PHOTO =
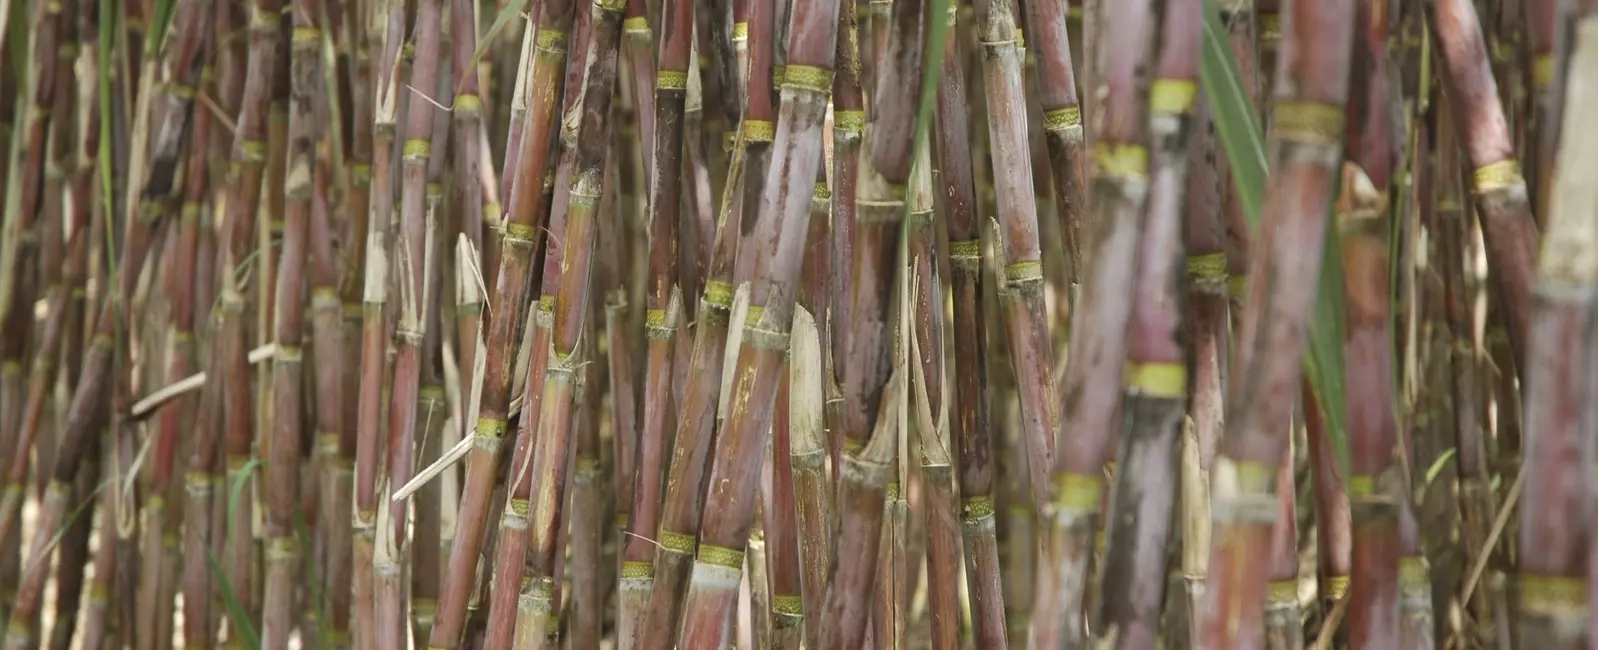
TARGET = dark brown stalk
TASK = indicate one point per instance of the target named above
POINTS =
(1139, 529)
(17, 321)
(663, 302)
(468, 167)
(1303, 148)
(426, 558)
(283, 551)
(1062, 120)
(518, 251)
(1498, 190)
(1476, 498)
(1118, 180)
(334, 429)
(779, 525)
(371, 390)
(1375, 486)
(412, 261)
(228, 358)
(970, 428)
(686, 471)
(202, 481)
(73, 556)
(1542, 108)
(1025, 319)
(1553, 579)
(848, 131)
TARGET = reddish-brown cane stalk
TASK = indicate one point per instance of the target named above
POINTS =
(1304, 146)
(1498, 190)
(1553, 579)
(1025, 320)
(772, 251)
(1118, 184)
(1062, 120)
(663, 302)
(508, 605)
(870, 417)
(553, 447)
(970, 428)
(1375, 483)
(1206, 320)
(180, 289)
(1333, 520)
(517, 254)
(374, 316)
(283, 443)
(1139, 523)
(468, 167)
(930, 408)
(169, 115)
(685, 474)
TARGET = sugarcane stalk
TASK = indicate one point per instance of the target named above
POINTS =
(1303, 149)
(426, 571)
(553, 448)
(17, 321)
(1155, 377)
(588, 513)
(769, 269)
(160, 523)
(1497, 187)
(1333, 520)
(1118, 186)
(468, 167)
(869, 415)
(1375, 487)
(283, 551)
(518, 251)
(686, 470)
(1284, 623)
(169, 112)
(510, 581)
(1553, 580)
(889, 142)
(1062, 121)
(663, 302)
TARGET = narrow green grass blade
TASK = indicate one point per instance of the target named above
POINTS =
(237, 617)
(1235, 122)
(1244, 144)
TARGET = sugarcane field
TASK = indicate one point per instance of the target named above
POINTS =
(781, 324)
